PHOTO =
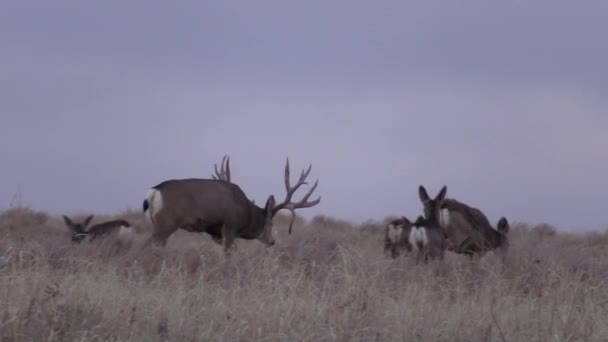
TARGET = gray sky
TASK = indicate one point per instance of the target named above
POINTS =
(505, 103)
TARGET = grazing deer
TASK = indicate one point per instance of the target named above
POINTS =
(121, 228)
(428, 239)
(467, 229)
(219, 208)
(396, 235)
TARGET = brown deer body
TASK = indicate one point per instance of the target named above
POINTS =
(120, 227)
(396, 237)
(467, 229)
(219, 208)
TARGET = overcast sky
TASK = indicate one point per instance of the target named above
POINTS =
(505, 103)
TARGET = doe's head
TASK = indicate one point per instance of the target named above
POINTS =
(432, 207)
(79, 230)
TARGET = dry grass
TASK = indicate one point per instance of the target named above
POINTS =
(328, 281)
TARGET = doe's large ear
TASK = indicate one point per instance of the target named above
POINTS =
(270, 204)
(441, 194)
(503, 225)
(424, 196)
(67, 221)
(88, 220)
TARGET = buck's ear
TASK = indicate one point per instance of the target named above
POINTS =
(441, 194)
(67, 220)
(88, 220)
(503, 225)
(424, 196)
(270, 204)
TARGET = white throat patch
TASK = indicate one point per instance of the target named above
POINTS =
(418, 238)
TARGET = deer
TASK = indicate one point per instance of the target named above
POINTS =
(467, 229)
(219, 208)
(428, 239)
(396, 235)
(121, 228)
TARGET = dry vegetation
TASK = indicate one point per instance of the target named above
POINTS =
(329, 281)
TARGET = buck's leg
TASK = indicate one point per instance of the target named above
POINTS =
(229, 236)
(159, 238)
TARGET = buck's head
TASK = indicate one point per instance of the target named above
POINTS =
(503, 226)
(432, 207)
(79, 230)
(267, 235)
(263, 221)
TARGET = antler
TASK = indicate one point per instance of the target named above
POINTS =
(303, 203)
(224, 172)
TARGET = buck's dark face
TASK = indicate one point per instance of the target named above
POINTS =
(432, 207)
(503, 226)
(267, 235)
(79, 231)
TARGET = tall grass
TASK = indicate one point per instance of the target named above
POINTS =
(328, 281)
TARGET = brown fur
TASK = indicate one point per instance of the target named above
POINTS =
(470, 231)
(219, 208)
(215, 207)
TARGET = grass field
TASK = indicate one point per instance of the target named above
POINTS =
(328, 281)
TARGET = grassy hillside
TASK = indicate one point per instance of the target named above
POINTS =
(328, 281)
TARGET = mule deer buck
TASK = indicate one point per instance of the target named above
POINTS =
(219, 208)
(396, 236)
(467, 229)
(121, 228)
(428, 239)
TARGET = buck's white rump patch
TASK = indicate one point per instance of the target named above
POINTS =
(395, 232)
(444, 217)
(418, 237)
(155, 203)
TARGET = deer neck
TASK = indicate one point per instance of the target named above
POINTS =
(256, 225)
(433, 221)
